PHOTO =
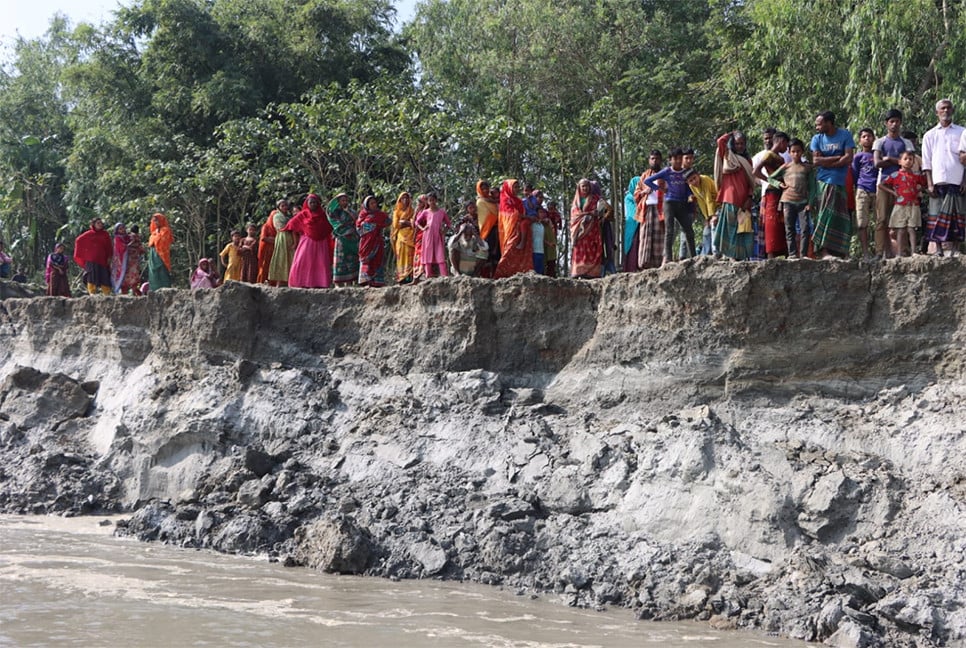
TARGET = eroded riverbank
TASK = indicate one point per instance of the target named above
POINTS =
(773, 446)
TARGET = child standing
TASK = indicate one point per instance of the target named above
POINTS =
(905, 185)
(550, 228)
(794, 181)
(864, 174)
(231, 257)
(537, 234)
(705, 197)
(249, 253)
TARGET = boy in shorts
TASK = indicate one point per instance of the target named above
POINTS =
(906, 186)
(864, 174)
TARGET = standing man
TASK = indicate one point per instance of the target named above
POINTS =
(770, 219)
(941, 162)
(767, 138)
(886, 151)
(832, 149)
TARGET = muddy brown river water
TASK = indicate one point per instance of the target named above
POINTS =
(69, 582)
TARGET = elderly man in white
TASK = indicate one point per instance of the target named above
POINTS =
(942, 163)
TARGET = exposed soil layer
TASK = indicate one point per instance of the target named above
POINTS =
(775, 445)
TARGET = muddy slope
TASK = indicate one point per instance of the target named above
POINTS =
(774, 445)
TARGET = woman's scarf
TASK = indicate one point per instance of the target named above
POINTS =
(579, 224)
(122, 243)
(56, 262)
(487, 213)
(630, 210)
(369, 224)
(311, 222)
(510, 203)
(161, 239)
(399, 234)
(93, 246)
(343, 221)
(731, 162)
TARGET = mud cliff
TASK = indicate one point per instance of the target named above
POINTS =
(773, 445)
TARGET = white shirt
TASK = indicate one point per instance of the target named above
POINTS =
(754, 162)
(940, 154)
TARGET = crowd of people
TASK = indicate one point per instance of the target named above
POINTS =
(814, 198)
(112, 261)
(790, 200)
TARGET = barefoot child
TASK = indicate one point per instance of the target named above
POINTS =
(231, 257)
(905, 186)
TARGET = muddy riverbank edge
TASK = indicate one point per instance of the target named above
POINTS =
(768, 445)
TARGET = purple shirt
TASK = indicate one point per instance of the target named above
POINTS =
(864, 172)
(677, 187)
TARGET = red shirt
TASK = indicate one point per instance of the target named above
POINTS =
(906, 185)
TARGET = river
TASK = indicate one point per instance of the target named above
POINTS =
(68, 581)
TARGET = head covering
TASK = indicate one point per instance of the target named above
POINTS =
(310, 222)
(161, 238)
(399, 209)
(509, 201)
(630, 209)
(479, 189)
(94, 246)
(117, 226)
(577, 208)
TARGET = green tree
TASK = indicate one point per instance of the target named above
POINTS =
(34, 140)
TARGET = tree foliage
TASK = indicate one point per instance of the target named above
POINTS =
(210, 110)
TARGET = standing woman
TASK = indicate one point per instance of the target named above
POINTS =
(488, 218)
(403, 237)
(159, 253)
(266, 244)
(607, 236)
(516, 254)
(119, 261)
(372, 245)
(431, 222)
(343, 221)
(312, 263)
(55, 273)
(284, 248)
(418, 268)
(733, 175)
(135, 253)
(585, 230)
(93, 251)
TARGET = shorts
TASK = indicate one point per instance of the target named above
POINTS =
(905, 216)
(864, 204)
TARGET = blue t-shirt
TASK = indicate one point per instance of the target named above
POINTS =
(864, 172)
(832, 146)
(677, 187)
